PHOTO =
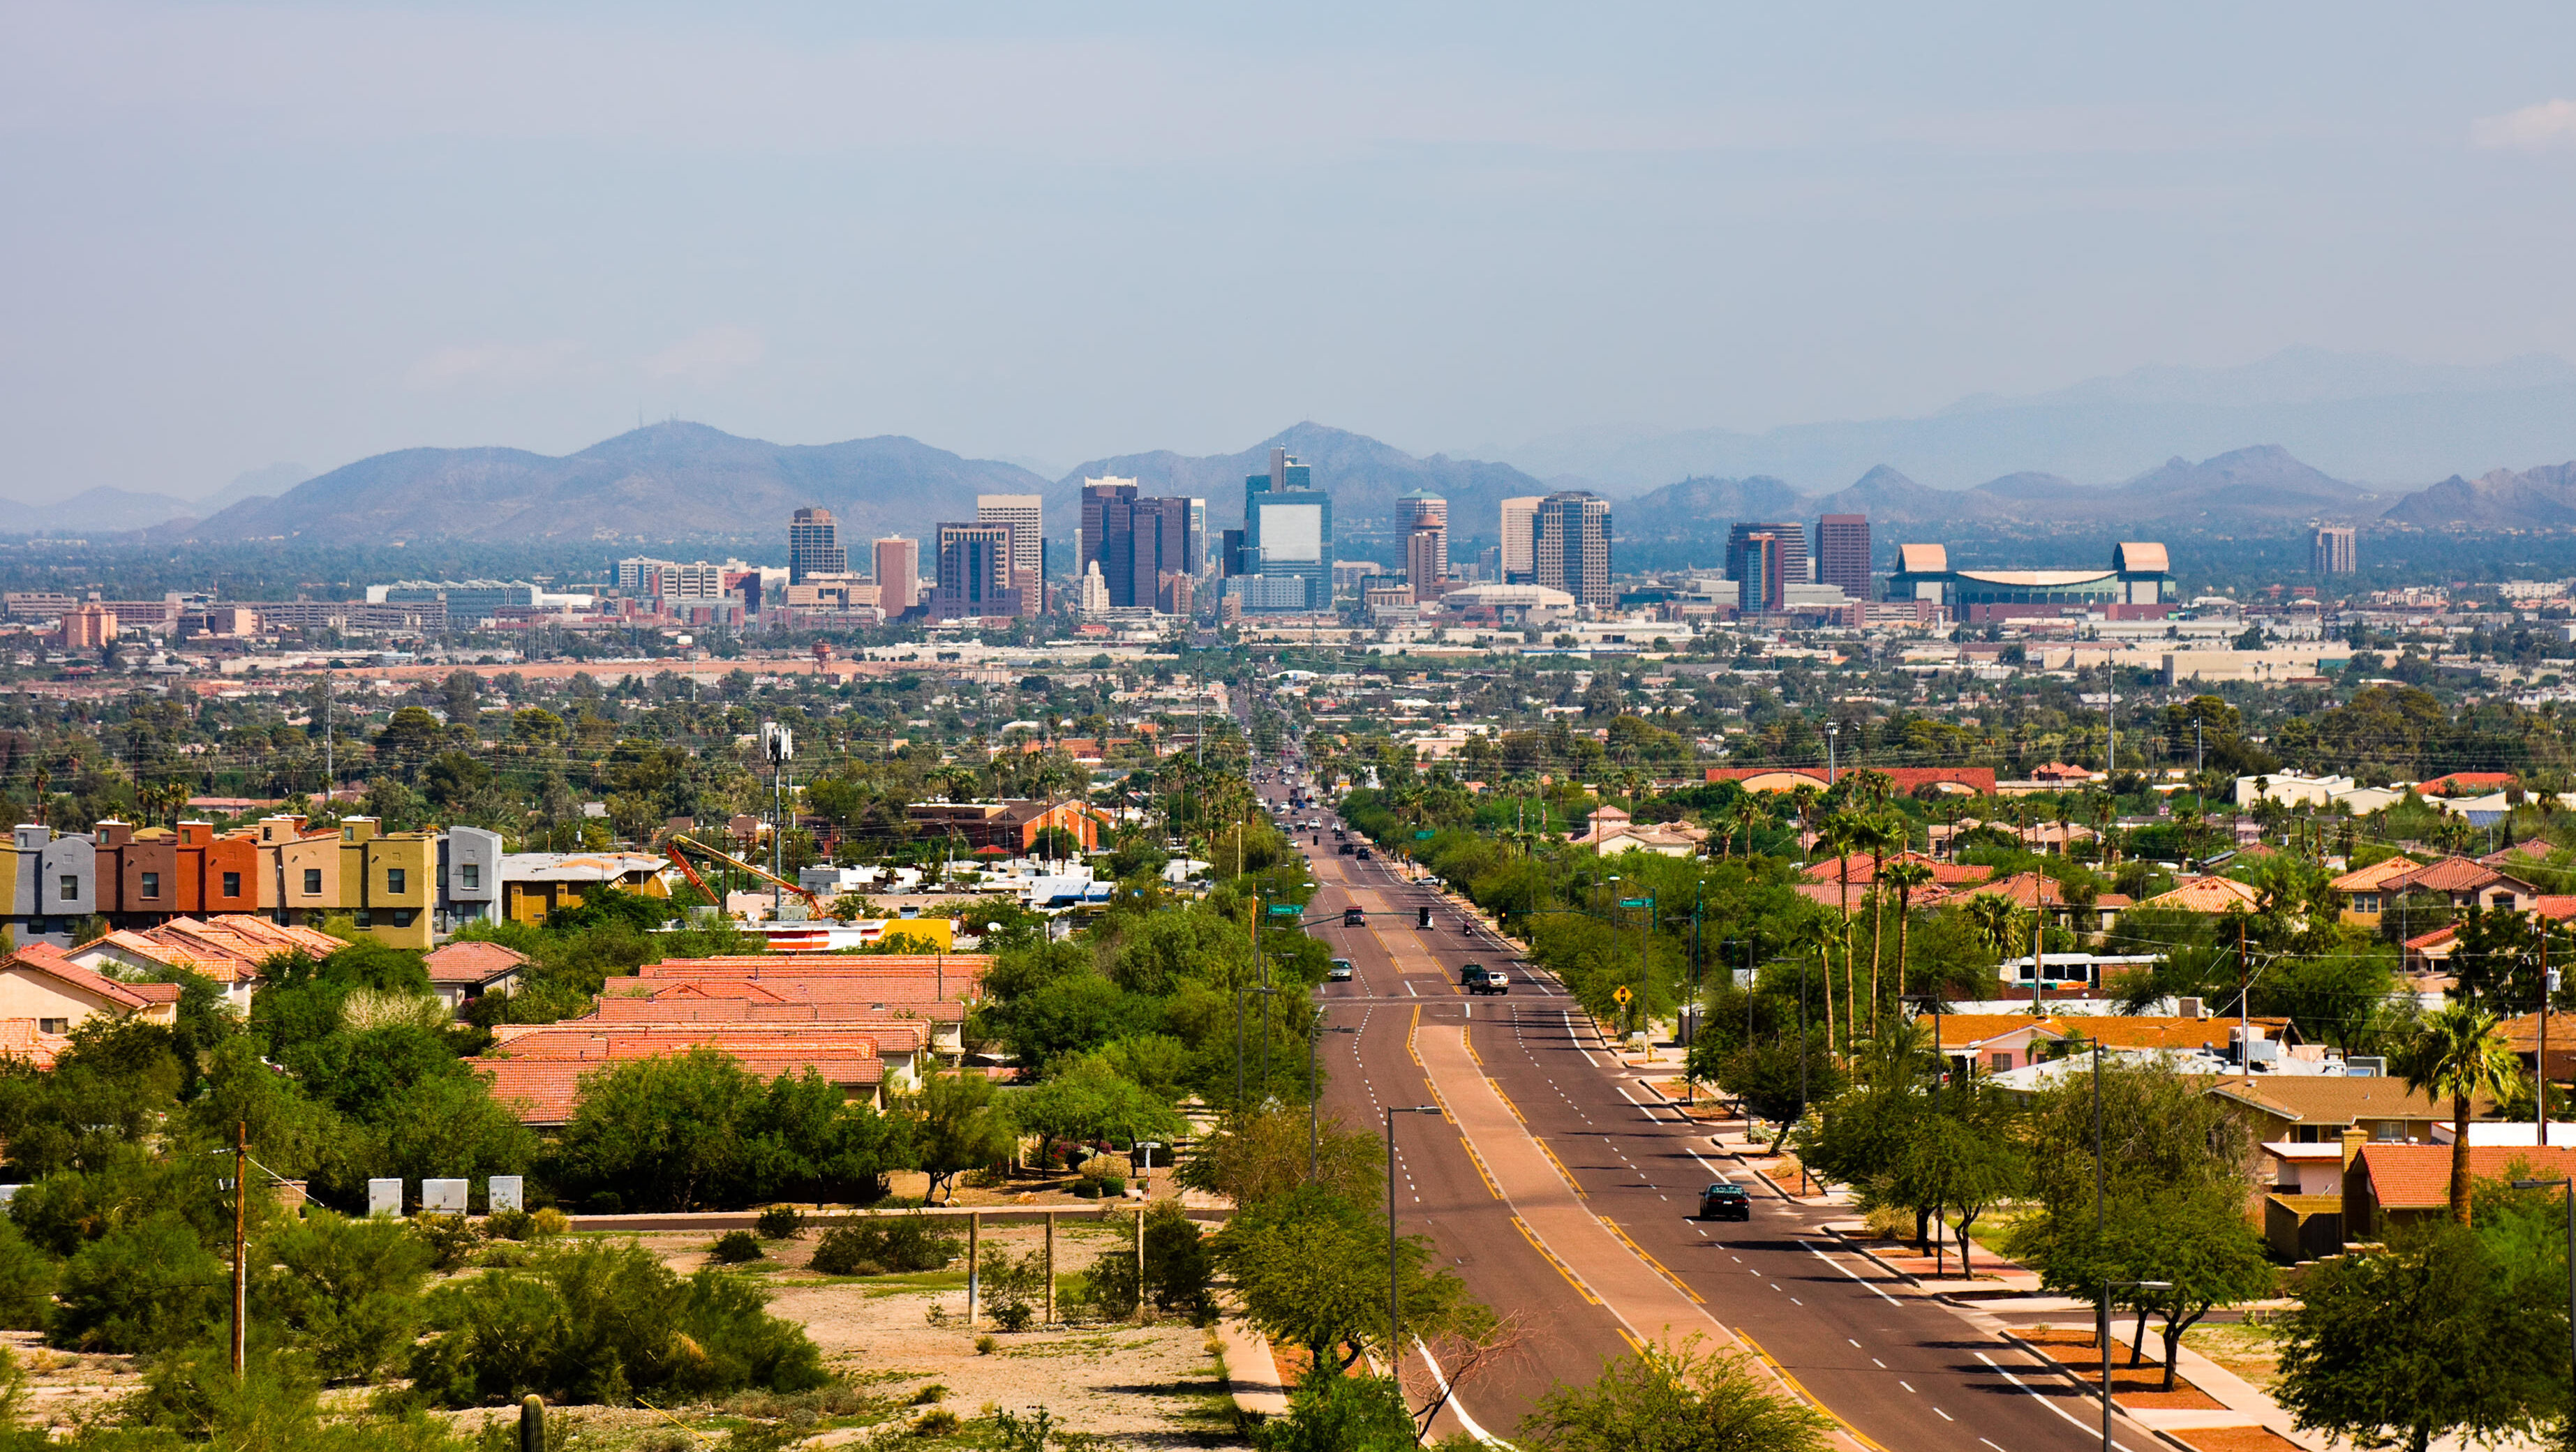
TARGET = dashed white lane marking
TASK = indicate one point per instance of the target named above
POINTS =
(1944, 1416)
(1847, 1270)
(2046, 1401)
(1907, 1387)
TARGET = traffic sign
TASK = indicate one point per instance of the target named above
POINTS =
(1286, 910)
(1636, 902)
(1622, 994)
(1424, 836)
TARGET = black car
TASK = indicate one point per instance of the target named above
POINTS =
(1723, 1201)
(1354, 917)
(1348, 849)
(1362, 854)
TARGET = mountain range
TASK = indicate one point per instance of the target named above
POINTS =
(2355, 416)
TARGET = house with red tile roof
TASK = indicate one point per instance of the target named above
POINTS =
(1949, 780)
(2364, 890)
(49, 995)
(2391, 1186)
(2468, 883)
(462, 972)
(2214, 896)
(539, 1074)
(2525, 853)
(2465, 784)
(2038, 892)
(1863, 871)
(230, 949)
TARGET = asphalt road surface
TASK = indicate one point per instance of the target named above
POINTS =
(1898, 1369)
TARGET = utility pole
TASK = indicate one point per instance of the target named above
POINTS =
(2540, 1063)
(241, 1257)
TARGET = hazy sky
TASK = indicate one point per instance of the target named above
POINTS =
(239, 234)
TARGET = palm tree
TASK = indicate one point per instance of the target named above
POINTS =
(1880, 831)
(1905, 877)
(1996, 920)
(1746, 814)
(1841, 832)
(2456, 1054)
(1802, 803)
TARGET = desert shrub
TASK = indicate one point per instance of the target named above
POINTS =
(147, 1285)
(1108, 1290)
(345, 1292)
(449, 1238)
(509, 1225)
(780, 1222)
(1340, 1414)
(604, 1322)
(937, 1422)
(1177, 1273)
(548, 1222)
(1013, 1288)
(735, 1247)
(888, 1243)
(26, 1282)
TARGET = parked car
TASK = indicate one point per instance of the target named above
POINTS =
(1723, 1201)
(1340, 972)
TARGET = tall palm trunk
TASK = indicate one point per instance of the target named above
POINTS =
(2460, 1159)
(1877, 916)
(1904, 918)
(1845, 864)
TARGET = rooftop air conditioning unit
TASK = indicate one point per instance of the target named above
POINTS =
(2188, 1007)
(2365, 1066)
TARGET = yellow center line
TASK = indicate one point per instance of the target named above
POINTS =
(1562, 1268)
(1560, 1167)
(1810, 1398)
(1640, 1252)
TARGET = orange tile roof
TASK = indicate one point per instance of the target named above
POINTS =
(542, 1069)
(1945, 873)
(472, 962)
(2208, 895)
(2418, 1176)
(2470, 782)
(2369, 879)
(2457, 874)
(821, 965)
(20, 1039)
(2530, 849)
(51, 961)
(2325, 1098)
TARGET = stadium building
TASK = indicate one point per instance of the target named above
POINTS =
(2138, 586)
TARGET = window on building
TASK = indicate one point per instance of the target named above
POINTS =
(313, 882)
(394, 878)
(53, 1025)
(402, 916)
(232, 884)
(71, 888)
(366, 919)
(2000, 1063)
(469, 874)
(152, 884)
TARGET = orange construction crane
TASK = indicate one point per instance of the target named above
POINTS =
(764, 874)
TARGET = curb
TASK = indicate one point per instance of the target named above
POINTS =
(2094, 1394)
(1903, 1277)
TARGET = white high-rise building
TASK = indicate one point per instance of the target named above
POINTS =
(1028, 534)
(1520, 537)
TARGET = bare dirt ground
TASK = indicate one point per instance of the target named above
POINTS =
(900, 1339)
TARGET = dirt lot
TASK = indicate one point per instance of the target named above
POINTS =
(899, 1339)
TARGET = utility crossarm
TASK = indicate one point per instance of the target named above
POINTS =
(727, 858)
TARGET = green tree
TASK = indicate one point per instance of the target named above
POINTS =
(343, 1291)
(1312, 1270)
(1262, 1153)
(1683, 1398)
(1090, 1101)
(2396, 1347)
(958, 1124)
(681, 1131)
(1341, 1414)
(146, 1285)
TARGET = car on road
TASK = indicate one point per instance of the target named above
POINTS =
(1354, 917)
(1340, 972)
(1480, 979)
(1724, 1201)
(1347, 849)
(1362, 854)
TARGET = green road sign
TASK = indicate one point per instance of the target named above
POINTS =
(1424, 836)
(1286, 910)
(1634, 901)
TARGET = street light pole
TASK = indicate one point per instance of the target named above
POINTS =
(2107, 1287)
(1394, 1294)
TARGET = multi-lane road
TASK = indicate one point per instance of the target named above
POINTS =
(1598, 1248)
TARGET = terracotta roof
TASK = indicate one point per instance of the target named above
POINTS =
(2558, 907)
(2116, 1031)
(2327, 1099)
(20, 1039)
(2028, 889)
(2459, 782)
(2371, 878)
(2209, 895)
(542, 1069)
(2418, 1176)
(2433, 939)
(1907, 779)
(51, 961)
(824, 965)
(472, 963)
(2457, 874)
(891, 1032)
(2531, 849)
(1830, 870)
(1967, 1030)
